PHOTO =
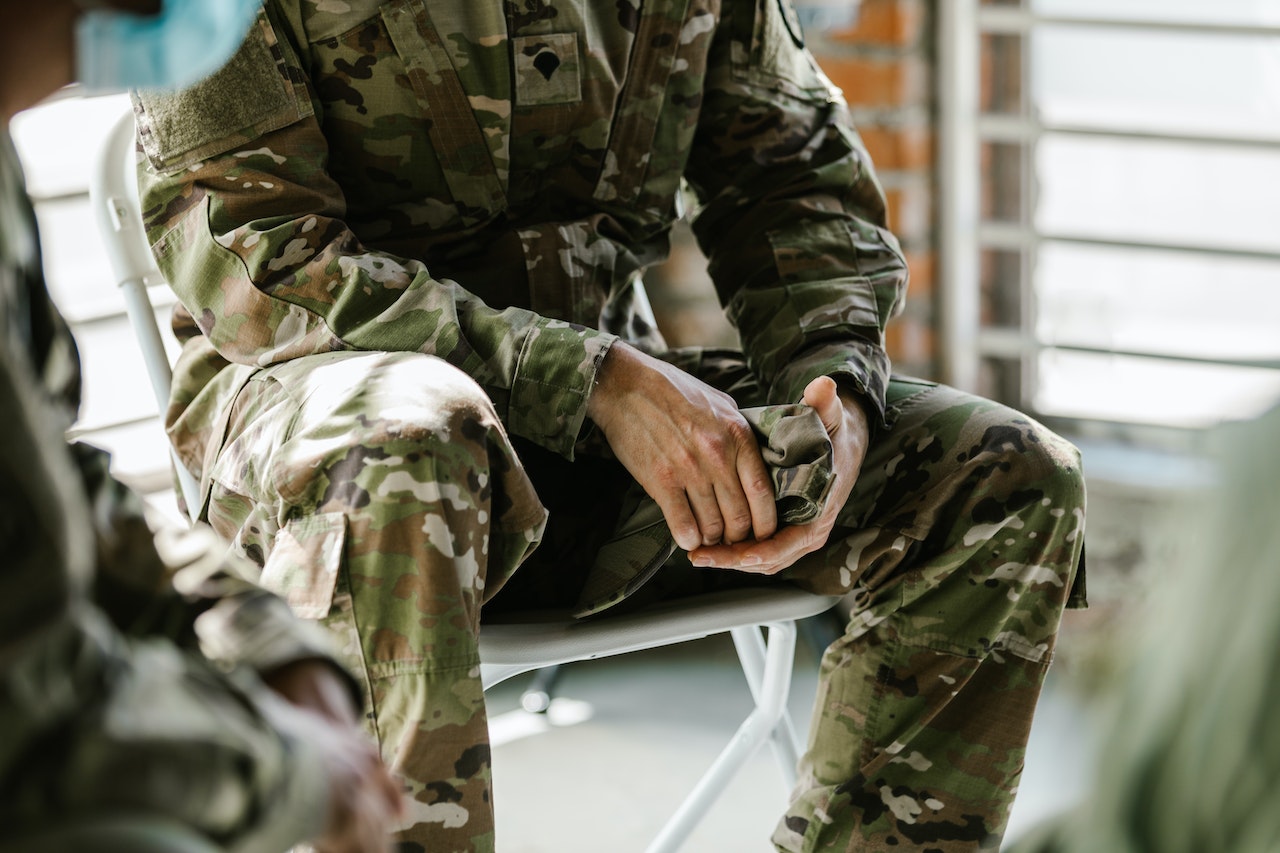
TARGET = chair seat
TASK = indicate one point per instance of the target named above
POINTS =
(519, 642)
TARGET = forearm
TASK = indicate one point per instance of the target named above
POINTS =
(100, 707)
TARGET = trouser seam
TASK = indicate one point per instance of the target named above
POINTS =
(425, 666)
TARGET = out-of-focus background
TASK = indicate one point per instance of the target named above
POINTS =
(1087, 194)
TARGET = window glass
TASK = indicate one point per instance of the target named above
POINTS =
(1147, 390)
(1205, 306)
(1162, 192)
(59, 141)
(1264, 12)
(1179, 82)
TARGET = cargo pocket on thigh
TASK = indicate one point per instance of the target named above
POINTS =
(306, 568)
(304, 562)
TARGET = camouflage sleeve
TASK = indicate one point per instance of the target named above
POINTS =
(250, 230)
(792, 216)
(117, 723)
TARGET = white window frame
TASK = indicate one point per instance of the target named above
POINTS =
(964, 234)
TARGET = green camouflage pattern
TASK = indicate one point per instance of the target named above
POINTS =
(127, 658)
(384, 189)
(419, 193)
(381, 496)
(959, 548)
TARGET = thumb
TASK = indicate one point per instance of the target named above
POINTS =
(821, 395)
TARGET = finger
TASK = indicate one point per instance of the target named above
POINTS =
(735, 510)
(392, 794)
(365, 834)
(767, 557)
(680, 519)
(758, 492)
(371, 826)
(821, 394)
(706, 510)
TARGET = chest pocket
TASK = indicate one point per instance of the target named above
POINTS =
(658, 111)
(416, 141)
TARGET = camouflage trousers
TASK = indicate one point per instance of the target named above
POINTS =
(381, 495)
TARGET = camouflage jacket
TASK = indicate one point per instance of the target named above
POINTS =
(107, 702)
(486, 181)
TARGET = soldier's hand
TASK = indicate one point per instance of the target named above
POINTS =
(846, 423)
(688, 445)
(364, 801)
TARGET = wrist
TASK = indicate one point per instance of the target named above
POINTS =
(316, 685)
(616, 365)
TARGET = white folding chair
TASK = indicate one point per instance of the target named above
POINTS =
(529, 641)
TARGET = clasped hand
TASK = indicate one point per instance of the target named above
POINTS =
(694, 453)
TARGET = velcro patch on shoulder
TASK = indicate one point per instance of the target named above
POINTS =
(251, 95)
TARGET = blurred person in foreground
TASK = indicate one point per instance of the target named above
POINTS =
(1189, 753)
(151, 698)
(408, 238)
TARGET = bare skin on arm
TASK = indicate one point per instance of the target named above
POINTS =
(363, 797)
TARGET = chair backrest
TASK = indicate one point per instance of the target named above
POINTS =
(113, 193)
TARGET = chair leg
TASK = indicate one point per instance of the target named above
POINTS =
(774, 685)
(536, 698)
(784, 740)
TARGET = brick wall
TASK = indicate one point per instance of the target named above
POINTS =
(884, 65)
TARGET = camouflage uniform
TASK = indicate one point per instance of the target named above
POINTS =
(403, 258)
(119, 735)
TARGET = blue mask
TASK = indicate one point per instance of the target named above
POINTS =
(186, 41)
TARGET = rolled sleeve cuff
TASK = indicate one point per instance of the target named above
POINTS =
(261, 632)
(858, 366)
(555, 375)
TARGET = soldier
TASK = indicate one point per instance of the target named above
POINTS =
(119, 734)
(416, 336)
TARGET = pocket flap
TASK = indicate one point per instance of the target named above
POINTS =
(303, 565)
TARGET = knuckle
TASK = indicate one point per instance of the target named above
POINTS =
(740, 433)
(713, 445)
(740, 430)
(666, 474)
